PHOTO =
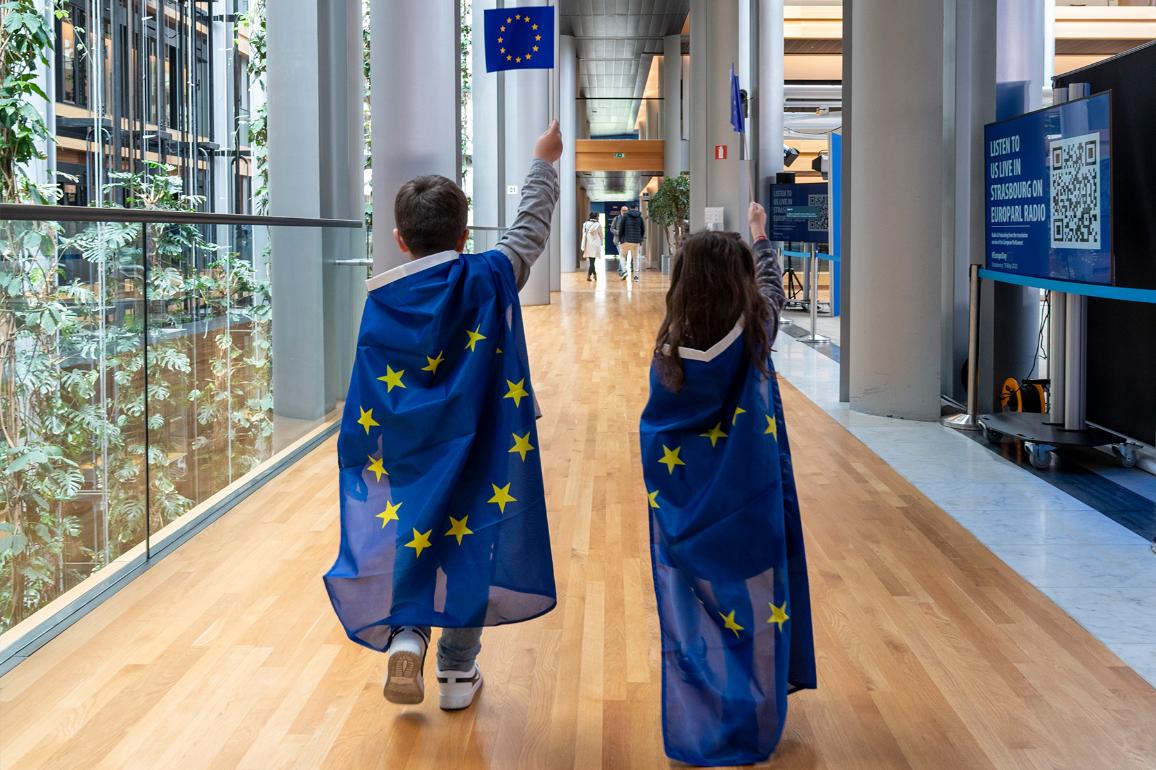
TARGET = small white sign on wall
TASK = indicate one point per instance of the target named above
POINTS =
(715, 218)
(512, 189)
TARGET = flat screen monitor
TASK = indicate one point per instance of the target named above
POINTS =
(1048, 192)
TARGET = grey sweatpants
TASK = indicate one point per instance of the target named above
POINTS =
(458, 648)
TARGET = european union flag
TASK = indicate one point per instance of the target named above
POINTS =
(519, 38)
(730, 574)
(738, 114)
(443, 511)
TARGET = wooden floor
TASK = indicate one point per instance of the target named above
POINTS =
(931, 653)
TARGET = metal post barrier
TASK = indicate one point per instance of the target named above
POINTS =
(813, 272)
(1057, 334)
(1075, 354)
(970, 419)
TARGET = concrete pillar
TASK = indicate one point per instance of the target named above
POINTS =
(294, 180)
(488, 103)
(847, 273)
(969, 93)
(416, 101)
(342, 194)
(315, 168)
(768, 98)
(527, 114)
(896, 226)
(567, 171)
(714, 46)
(672, 99)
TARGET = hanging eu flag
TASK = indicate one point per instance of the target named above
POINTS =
(727, 550)
(519, 38)
(738, 113)
(443, 512)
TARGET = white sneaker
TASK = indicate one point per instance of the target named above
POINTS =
(403, 680)
(458, 688)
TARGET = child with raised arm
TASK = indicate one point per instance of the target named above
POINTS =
(726, 540)
(443, 516)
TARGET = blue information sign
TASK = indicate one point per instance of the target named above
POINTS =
(799, 213)
(1048, 189)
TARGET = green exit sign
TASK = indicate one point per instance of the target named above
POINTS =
(619, 155)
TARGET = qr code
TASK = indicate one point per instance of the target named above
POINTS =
(819, 224)
(1075, 178)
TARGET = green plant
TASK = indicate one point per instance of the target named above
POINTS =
(670, 209)
(253, 23)
(25, 45)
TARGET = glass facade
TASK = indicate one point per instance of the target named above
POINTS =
(165, 81)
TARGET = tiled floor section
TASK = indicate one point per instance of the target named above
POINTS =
(1101, 573)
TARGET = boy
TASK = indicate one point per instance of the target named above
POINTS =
(425, 450)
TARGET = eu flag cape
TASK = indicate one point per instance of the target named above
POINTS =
(443, 511)
(727, 552)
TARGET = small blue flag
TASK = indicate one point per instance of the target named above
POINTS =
(730, 574)
(443, 510)
(519, 38)
(738, 116)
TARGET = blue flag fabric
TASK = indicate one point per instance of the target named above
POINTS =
(443, 510)
(730, 574)
(519, 38)
(738, 116)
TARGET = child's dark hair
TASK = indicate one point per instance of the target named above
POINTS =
(431, 213)
(712, 286)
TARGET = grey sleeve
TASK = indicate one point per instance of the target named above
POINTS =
(524, 241)
(769, 276)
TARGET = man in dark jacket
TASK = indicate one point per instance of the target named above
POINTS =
(631, 231)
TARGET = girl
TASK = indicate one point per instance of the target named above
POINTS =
(592, 244)
(726, 539)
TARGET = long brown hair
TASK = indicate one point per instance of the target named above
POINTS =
(713, 286)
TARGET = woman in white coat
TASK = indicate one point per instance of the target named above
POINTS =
(592, 238)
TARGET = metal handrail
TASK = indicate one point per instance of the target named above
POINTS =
(16, 212)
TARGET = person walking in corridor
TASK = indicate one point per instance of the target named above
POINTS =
(592, 238)
(631, 231)
(730, 574)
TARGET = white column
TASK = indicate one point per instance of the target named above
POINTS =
(293, 88)
(896, 226)
(527, 114)
(768, 99)
(672, 97)
(416, 92)
(714, 47)
(488, 101)
(567, 173)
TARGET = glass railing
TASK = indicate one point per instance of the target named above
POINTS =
(138, 385)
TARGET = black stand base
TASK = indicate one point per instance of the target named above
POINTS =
(1041, 438)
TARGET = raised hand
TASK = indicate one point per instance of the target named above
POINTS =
(757, 219)
(549, 145)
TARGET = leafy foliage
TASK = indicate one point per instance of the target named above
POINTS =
(670, 208)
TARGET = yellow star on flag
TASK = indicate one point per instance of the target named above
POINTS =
(779, 614)
(475, 336)
(509, 58)
(389, 514)
(420, 542)
(534, 26)
(366, 420)
(538, 38)
(518, 16)
(522, 445)
(501, 41)
(459, 529)
(392, 379)
(502, 496)
(518, 60)
(772, 427)
(377, 467)
(535, 49)
(729, 622)
(517, 391)
(498, 351)
(653, 498)
(738, 410)
(714, 434)
(434, 363)
(508, 21)
(670, 457)
(501, 50)
(528, 56)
